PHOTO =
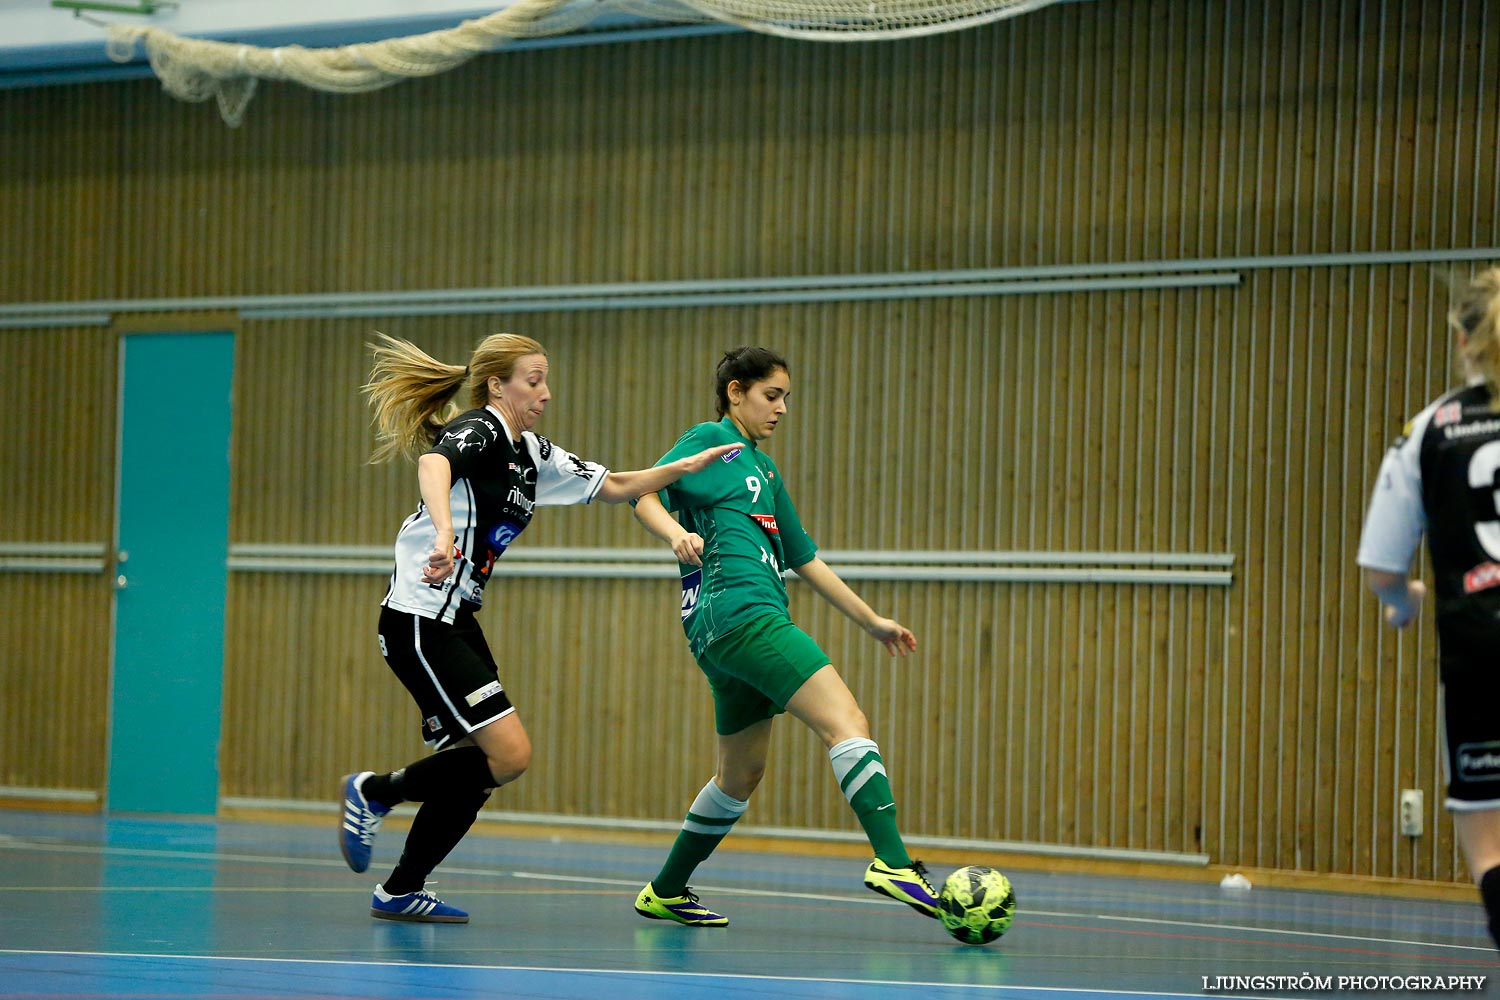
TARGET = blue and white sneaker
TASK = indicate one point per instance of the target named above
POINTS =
(421, 906)
(360, 823)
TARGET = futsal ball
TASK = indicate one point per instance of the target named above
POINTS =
(976, 904)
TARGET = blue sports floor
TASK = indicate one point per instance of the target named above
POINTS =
(147, 909)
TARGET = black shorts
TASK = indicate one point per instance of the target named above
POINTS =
(449, 671)
(1471, 728)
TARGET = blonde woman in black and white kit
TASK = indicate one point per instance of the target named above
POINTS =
(1442, 478)
(481, 473)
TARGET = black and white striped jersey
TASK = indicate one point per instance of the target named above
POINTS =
(1440, 476)
(496, 484)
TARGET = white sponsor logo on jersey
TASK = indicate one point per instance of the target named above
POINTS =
(1472, 430)
(1479, 761)
(692, 586)
(520, 499)
(463, 440)
(502, 535)
(488, 691)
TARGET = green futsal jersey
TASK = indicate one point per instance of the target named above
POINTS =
(751, 534)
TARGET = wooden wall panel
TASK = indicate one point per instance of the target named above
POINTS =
(57, 462)
(1272, 723)
(54, 681)
(58, 446)
(59, 194)
(1051, 138)
(1122, 713)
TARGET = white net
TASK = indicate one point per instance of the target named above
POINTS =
(197, 70)
(852, 20)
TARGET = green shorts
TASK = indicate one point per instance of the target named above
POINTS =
(756, 668)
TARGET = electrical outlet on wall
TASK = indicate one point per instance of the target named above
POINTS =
(1410, 812)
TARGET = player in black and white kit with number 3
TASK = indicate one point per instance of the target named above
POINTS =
(481, 473)
(1441, 477)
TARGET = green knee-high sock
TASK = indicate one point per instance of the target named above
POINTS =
(861, 775)
(709, 818)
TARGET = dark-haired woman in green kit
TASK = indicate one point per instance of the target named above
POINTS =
(738, 531)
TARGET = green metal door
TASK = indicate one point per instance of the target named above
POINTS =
(173, 550)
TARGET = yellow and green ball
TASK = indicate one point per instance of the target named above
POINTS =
(976, 904)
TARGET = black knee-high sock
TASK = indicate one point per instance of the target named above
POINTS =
(1489, 891)
(444, 775)
(438, 827)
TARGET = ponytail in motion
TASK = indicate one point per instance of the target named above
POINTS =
(412, 392)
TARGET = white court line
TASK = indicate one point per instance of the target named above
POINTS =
(1312, 934)
(1030, 912)
(14, 844)
(873, 900)
(10, 843)
(1060, 990)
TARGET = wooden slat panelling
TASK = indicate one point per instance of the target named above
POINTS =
(1271, 723)
(57, 458)
(54, 680)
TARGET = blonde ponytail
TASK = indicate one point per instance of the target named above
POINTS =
(412, 392)
(1476, 315)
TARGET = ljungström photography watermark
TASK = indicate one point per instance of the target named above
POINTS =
(1307, 982)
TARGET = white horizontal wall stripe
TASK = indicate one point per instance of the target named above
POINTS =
(326, 302)
(268, 564)
(52, 548)
(777, 832)
(10, 564)
(563, 300)
(875, 556)
(21, 322)
(652, 563)
(49, 794)
(52, 557)
(664, 571)
(999, 574)
(761, 298)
